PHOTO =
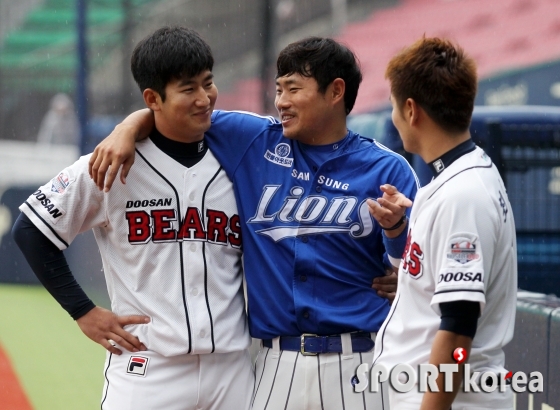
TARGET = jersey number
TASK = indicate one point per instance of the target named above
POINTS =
(412, 258)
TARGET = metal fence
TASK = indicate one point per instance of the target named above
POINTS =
(528, 158)
(38, 56)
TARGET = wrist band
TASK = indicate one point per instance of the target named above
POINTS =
(394, 247)
(397, 225)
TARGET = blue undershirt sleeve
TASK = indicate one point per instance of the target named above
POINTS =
(460, 317)
(51, 268)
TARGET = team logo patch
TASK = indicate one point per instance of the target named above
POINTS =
(138, 365)
(463, 251)
(280, 155)
(60, 183)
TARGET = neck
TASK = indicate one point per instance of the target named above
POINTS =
(328, 135)
(175, 133)
(438, 143)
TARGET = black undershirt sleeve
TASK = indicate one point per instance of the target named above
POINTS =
(51, 268)
(460, 317)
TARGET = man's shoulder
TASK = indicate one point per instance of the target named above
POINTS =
(470, 173)
(468, 185)
(374, 149)
(243, 119)
(373, 152)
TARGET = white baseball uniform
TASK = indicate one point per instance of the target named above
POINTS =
(170, 243)
(461, 246)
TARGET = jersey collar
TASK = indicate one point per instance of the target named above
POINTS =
(438, 165)
(177, 148)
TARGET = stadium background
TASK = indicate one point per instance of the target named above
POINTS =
(82, 48)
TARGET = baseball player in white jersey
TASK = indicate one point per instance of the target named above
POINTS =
(170, 241)
(311, 247)
(458, 273)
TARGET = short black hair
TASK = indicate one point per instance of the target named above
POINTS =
(170, 53)
(323, 59)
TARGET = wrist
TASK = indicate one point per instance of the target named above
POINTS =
(394, 245)
(397, 229)
(397, 225)
(128, 130)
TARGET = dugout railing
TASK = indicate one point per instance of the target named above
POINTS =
(528, 158)
(536, 348)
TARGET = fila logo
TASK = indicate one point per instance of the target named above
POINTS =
(412, 258)
(438, 165)
(138, 365)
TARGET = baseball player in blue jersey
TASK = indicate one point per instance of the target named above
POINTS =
(311, 247)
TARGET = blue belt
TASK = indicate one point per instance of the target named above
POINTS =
(310, 345)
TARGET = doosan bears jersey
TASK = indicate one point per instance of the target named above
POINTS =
(461, 246)
(170, 241)
(311, 247)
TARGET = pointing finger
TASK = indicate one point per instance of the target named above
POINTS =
(389, 189)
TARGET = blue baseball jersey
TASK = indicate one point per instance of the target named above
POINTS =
(311, 247)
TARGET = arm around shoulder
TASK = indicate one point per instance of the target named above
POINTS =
(118, 149)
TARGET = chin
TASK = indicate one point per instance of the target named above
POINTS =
(289, 134)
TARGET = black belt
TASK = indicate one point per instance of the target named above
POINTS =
(310, 345)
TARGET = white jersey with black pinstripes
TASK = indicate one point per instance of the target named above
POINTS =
(170, 242)
(461, 246)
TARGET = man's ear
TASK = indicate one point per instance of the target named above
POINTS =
(152, 99)
(411, 111)
(338, 88)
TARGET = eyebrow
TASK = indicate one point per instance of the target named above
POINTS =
(190, 80)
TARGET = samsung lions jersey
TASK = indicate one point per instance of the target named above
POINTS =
(311, 246)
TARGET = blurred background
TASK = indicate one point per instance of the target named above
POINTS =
(65, 82)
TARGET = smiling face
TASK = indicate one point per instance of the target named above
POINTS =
(185, 114)
(304, 111)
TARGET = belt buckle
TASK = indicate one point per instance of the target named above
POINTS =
(302, 344)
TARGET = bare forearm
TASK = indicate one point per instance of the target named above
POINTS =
(443, 347)
(140, 122)
(118, 149)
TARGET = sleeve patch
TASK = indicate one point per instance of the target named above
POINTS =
(462, 250)
(61, 182)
